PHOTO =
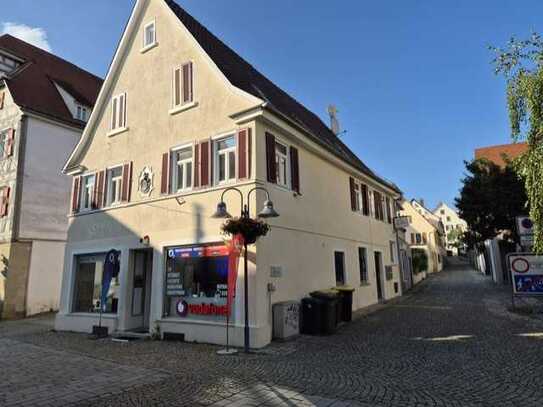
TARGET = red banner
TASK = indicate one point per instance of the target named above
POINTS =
(234, 250)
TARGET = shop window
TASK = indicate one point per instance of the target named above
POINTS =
(87, 192)
(196, 278)
(114, 185)
(363, 264)
(182, 169)
(225, 159)
(339, 263)
(89, 271)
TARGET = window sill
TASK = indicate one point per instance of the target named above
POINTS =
(148, 47)
(365, 284)
(117, 131)
(182, 108)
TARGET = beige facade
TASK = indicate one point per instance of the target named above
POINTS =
(298, 254)
(424, 234)
(451, 222)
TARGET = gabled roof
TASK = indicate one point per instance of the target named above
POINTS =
(32, 84)
(245, 77)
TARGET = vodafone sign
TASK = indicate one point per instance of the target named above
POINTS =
(526, 273)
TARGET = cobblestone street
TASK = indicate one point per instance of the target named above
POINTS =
(449, 342)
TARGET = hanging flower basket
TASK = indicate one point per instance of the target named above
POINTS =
(250, 229)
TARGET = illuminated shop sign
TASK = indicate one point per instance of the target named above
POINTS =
(183, 309)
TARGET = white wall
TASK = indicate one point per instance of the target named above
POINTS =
(46, 192)
(45, 277)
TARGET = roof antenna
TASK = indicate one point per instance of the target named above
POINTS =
(334, 123)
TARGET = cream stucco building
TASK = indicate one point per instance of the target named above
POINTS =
(424, 233)
(44, 104)
(180, 118)
(451, 222)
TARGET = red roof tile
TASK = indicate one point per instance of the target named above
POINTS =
(496, 153)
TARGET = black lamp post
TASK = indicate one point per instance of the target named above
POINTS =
(267, 212)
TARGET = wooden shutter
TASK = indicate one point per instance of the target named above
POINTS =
(10, 141)
(353, 194)
(127, 182)
(187, 82)
(412, 238)
(249, 152)
(122, 110)
(270, 158)
(2, 97)
(5, 201)
(98, 198)
(389, 213)
(196, 163)
(365, 200)
(114, 114)
(76, 192)
(294, 169)
(165, 180)
(204, 163)
(242, 154)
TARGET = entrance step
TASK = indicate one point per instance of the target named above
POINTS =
(128, 336)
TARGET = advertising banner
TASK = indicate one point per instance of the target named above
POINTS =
(526, 273)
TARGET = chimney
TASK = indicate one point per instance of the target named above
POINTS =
(334, 123)
(421, 201)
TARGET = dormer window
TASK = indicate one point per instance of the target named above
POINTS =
(81, 113)
(149, 35)
(7, 64)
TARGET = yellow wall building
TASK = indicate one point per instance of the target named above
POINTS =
(180, 118)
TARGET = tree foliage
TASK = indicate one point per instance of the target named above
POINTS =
(489, 200)
(419, 260)
(521, 62)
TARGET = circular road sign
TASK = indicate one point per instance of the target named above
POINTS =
(520, 265)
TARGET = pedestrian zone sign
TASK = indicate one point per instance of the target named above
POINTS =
(526, 273)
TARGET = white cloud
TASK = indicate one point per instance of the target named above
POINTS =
(33, 35)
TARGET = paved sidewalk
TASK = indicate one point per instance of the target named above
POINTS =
(450, 342)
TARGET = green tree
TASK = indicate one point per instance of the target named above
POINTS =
(454, 237)
(489, 200)
(419, 260)
(521, 62)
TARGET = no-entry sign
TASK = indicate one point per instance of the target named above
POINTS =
(526, 273)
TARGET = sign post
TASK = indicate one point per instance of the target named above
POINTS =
(526, 275)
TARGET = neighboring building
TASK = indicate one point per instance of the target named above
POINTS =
(180, 118)
(425, 234)
(44, 103)
(501, 153)
(451, 222)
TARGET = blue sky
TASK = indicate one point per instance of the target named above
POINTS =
(412, 79)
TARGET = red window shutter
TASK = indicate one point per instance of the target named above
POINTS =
(165, 180)
(2, 97)
(98, 199)
(127, 182)
(5, 201)
(187, 83)
(196, 172)
(294, 169)
(249, 152)
(76, 188)
(9, 143)
(242, 154)
(204, 163)
(353, 193)
(389, 213)
(270, 158)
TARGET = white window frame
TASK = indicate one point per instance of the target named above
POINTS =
(216, 156)
(81, 113)
(118, 118)
(182, 106)
(278, 157)
(358, 197)
(3, 142)
(119, 190)
(187, 163)
(150, 45)
(87, 189)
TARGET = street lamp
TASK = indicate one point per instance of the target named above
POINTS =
(267, 212)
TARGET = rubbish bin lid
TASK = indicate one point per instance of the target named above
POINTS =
(324, 294)
(343, 288)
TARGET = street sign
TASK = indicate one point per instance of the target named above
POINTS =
(525, 226)
(526, 273)
(402, 222)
